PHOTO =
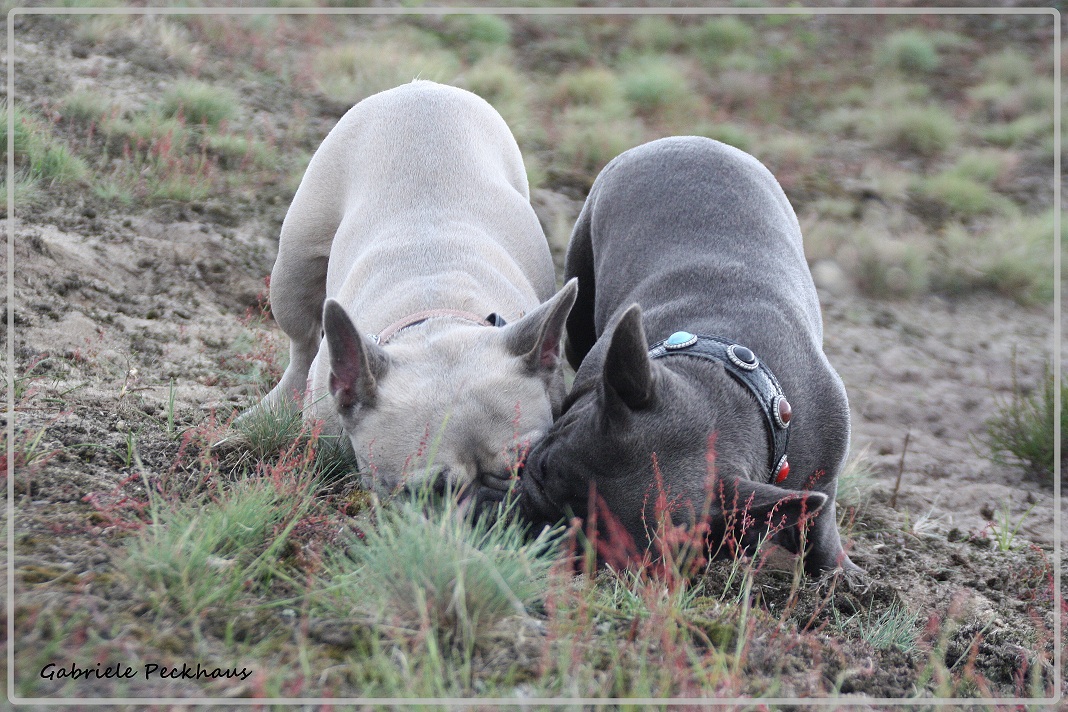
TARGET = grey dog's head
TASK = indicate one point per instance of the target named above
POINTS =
(451, 408)
(641, 434)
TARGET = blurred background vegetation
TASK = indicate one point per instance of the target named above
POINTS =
(917, 149)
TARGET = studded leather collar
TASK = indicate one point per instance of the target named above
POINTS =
(747, 369)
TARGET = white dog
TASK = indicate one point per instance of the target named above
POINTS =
(411, 244)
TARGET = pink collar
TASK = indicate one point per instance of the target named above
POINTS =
(419, 317)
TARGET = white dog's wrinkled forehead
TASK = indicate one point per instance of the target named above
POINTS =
(464, 406)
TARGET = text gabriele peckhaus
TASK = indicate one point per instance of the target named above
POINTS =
(149, 671)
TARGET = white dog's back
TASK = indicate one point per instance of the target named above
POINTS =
(464, 184)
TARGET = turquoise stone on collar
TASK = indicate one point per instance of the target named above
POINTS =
(679, 340)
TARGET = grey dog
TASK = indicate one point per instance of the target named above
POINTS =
(692, 245)
(412, 246)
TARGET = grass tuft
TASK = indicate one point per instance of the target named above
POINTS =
(348, 73)
(910, 52)
(1004, 531)
(923, 130)
(267, 433)
(652, 84)
(891, 268)
(499, 84)
(720, 36)
(1012, 257)
(40, 157)
(200, 103)
(236, 151)
(1023, 427)
(435, 568)
(86, 106)
(595, 86)
(654, 34)
(896, 627)
(267, 430)
(99, 29)
(57, 164)
(1018, 132)
(199, 555)
(954, 193)
(492, 30)
(983, 166)
(1010, 66)
(588, 139)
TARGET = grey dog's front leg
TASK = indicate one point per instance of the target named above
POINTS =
(825, 552)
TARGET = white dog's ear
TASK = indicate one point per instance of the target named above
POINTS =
(628, 373)
(356, 364)
(537, 336)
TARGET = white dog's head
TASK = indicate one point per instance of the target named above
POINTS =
(456, 408)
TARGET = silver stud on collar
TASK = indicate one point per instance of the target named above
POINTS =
(742, 357)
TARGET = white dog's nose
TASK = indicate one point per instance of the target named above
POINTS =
(440, 484)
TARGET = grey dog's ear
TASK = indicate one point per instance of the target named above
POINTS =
(752, 509)
(537, 336)
(356, 364)
(628, 372)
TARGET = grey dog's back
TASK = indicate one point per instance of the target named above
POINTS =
(727, 246)
(725, 259)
